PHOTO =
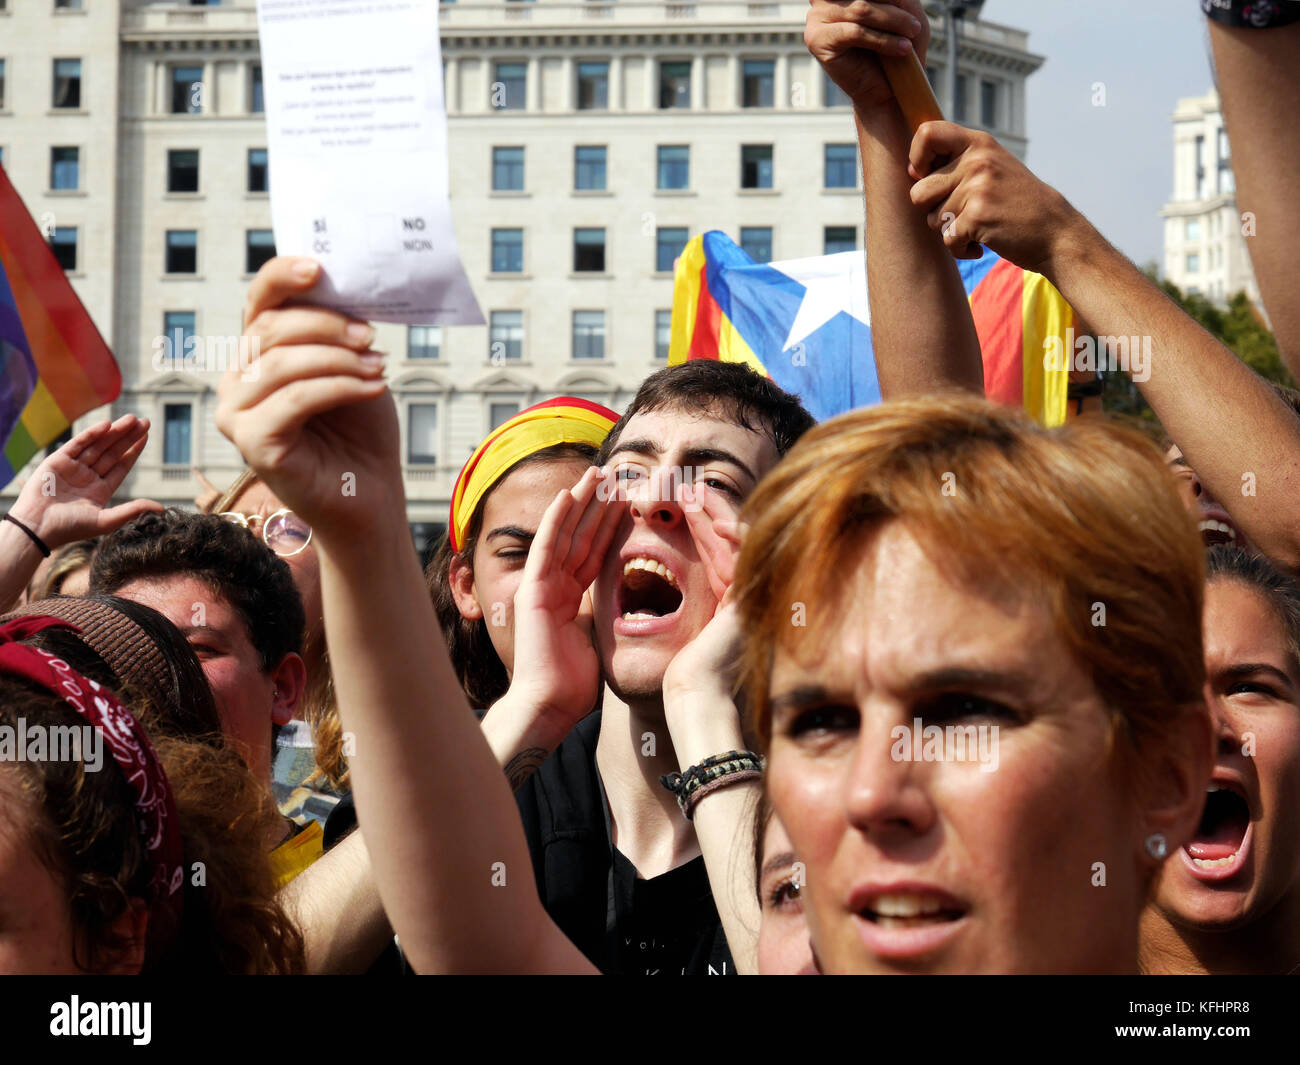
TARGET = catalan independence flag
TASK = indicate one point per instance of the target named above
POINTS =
(806, 324)
(54, 366)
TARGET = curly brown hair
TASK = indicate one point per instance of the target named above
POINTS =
(82, 824)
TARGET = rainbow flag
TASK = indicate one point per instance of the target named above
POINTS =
(806, 324)
(54, 366)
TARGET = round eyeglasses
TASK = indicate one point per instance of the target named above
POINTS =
(283, 532)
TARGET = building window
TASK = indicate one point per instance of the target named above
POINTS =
(64, 242)
(1194, 263)
(840, 238)
(423, 341)
(674, 166)
(589, 167)
(507, 251)
(669, 243)
(589, 251)
(663, 334)
(989, 104)
(187, 90)
(959, 108)
(422, 434)
(259, 248)
(2, 84)
(593, 86)
(1192, 229)
(835, 96)
(64, 5)
(756, 242)
(257, 170)
(182, 251)
(758, 83)
(674, 85)
(67, 83)
(505, 336)
(178, 327)
(841, 166)
(508, 169)
(183, 170)
(256, 103)
(588, 334)
(65, 169)
(177, 419)
(510, 87)
(756, 166)
(1225, 179)
(499, 414)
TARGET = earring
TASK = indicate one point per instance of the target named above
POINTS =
(1157, 847)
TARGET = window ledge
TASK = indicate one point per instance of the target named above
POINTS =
(503, 363)
(509, 276)
(759, 192)
(182, 277)
(65, 194)
(676, 192)
(603, 360)
(663, 274)
(510, 194)
(841, 190)
(592, 192)
(257, 195)
(590, 275)
(67, 111)
(184, 196)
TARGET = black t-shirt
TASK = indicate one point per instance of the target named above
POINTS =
(623, 924)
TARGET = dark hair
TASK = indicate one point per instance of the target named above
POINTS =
(478, 666)
(227, 558)
(175, 685)
(730, 390)
(1224, 562)
(82, 825)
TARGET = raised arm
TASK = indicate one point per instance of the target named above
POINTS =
(444, 836)
(1259, 83)
(1225, 418)
(922, 331)
(67, 499)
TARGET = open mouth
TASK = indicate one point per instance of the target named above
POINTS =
(909, 911)
(1220, 838)
(1217, 532)
(648, 590)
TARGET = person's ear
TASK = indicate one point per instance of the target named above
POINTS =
(290, 680)
(131, 929)
(460, 576)
(1174, 797)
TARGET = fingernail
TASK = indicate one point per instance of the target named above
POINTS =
(914, 24)
(305, 268)
(360, 333)
(904, 45)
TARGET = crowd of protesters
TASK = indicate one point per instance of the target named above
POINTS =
(679, 691)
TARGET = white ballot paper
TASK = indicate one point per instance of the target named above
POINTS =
(357, 145)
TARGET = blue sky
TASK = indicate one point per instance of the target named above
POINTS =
(1114, 163)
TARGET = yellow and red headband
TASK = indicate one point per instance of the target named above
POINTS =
(564, 420)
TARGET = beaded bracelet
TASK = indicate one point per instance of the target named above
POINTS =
(716, 771)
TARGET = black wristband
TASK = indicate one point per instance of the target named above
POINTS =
(40, 544)
(1252, 14)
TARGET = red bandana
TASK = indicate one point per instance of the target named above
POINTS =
(155, 808)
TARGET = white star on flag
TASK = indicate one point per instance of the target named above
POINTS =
(832, 283)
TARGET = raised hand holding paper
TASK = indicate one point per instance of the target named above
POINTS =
(357, 141)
